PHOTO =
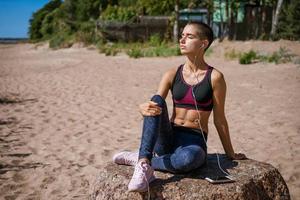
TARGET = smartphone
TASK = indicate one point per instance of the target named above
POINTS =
(220, 179)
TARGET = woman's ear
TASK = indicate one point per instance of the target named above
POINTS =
(205, 43)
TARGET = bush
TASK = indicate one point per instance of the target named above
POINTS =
(162, 50)
(116, 13)
(288, 23)
(275, 57)
(136, 50)
(155, 40)
(107, 49)
(50, 24)
(135, 53)
(86, 33)
(231, 55)
(62, 40)
(248, 57)
(36, 21)
(285, 55)
(280, 56)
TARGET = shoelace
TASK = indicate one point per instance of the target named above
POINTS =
(129, 158)
(148, 187)
(143, 176)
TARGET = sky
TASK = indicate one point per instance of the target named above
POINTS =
(15, 15)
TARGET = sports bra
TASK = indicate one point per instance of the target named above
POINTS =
(182, 92)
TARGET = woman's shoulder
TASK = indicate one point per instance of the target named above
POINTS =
(216, 74)
(216, 77)
(170, 73)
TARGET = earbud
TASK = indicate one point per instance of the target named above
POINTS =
(202, 46)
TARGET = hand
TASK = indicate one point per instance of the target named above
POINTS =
(149, 109)
(239, 156)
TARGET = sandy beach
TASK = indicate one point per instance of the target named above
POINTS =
(72, 109)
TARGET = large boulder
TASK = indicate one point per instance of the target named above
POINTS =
(254, 181)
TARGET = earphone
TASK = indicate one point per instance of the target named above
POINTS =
(202, 46)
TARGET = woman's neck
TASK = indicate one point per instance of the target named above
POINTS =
(195, 63)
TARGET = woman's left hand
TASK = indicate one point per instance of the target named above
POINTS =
(239, 156)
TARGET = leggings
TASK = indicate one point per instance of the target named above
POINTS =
(171, 148)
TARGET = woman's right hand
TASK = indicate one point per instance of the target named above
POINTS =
(149, 108)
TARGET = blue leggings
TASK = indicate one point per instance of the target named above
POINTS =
(171, 148)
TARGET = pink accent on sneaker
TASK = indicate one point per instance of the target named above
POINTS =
(126, 158)
(143, 175)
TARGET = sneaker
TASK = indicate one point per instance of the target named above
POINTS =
(141, 178)
(126, 158)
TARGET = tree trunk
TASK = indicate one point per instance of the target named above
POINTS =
(232, 25)
(210, 16)
(275, 17)
(263, 20)
(176, 23)
(236, 20)
(227, 18)
(222, 22)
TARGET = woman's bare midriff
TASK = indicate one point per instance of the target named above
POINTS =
(190, 118)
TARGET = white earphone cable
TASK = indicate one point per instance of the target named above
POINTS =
(199, 122)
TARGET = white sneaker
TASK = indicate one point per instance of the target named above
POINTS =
(126, 158)
(142, 177)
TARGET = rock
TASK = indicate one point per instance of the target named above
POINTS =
(254, 181)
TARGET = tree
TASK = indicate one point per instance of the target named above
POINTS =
(275, 19)
(288, 22)
(87, 9)
(176, 23)
(38, 17)
(156, 7)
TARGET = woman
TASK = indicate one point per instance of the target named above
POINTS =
(197, 89)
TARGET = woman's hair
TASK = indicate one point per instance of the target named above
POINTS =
(204, 31)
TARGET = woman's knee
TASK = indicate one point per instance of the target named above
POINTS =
(188, 158)
(159, 100)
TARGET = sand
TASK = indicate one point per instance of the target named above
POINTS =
(74, 108)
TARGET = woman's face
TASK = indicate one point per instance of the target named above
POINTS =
(190, 43)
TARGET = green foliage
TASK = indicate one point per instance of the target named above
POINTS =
(232, 54)
(116, 13)
(155, 7)
(162, 51)
(155, 40)
(126, 3)
(248, 57)
(107, 49)
(87, 9)
(50, 24)
(76, 18)
(136, 50)
(69, 11)
(86, 33)
(289, 18)
(37, 19)
(280, 56)
(208, 51)
(135, 53)
(36, 25)
(61, 41)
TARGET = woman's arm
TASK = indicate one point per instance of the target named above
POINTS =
(150, 108)
(166, 83)
(219, 94)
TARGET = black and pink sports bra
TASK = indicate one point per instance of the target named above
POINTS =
(182, 92)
